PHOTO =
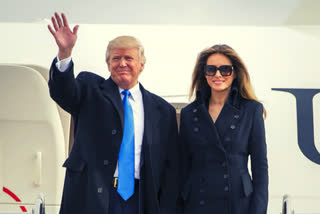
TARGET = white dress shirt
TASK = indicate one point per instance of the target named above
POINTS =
(136, 103)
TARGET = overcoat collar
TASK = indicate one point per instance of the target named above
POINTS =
(228, 116)
(111, 91)
(203, 95)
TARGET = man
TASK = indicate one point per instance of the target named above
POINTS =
(124, 155)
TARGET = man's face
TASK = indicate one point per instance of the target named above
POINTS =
(125, 66)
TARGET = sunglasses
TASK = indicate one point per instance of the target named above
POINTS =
(211, 70)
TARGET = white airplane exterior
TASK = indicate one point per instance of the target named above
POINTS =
(282, 63)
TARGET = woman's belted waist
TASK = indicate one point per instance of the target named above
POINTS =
(237, 161)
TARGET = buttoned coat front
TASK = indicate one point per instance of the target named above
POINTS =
(96, 108)
(215, 157)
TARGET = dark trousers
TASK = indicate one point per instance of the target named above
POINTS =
(118, 206)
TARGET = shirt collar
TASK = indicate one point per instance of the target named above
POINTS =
(134, 91)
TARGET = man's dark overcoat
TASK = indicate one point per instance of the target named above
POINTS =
(96, 108)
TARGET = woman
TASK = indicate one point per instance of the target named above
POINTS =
(218, 131)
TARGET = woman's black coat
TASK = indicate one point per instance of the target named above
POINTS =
(215, 157)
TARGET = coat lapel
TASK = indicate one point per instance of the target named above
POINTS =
(151, 115)
(111, 91)
(151, 122)
(226, 119)
(230, 113)
(209, 127)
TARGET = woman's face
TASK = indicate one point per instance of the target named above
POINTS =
(217, 82)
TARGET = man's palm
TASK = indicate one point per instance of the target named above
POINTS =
(65, 38)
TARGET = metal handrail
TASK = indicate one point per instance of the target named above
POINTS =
(38, 207)
(287, 205)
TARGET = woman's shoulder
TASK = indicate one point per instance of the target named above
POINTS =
(250, 102)
(251, 105)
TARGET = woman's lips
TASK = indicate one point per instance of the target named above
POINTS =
(218, 82)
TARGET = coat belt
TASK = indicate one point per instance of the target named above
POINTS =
(238, 161)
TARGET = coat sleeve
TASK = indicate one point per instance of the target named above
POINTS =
(64, 89)
(259, 164)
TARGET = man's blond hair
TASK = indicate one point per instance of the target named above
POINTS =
(126, 42)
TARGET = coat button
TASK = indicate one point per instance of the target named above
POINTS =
(99, 190)
(232, 126)
(227, 139)
(114, 131)
(195, 110)
(236, 116)
(224, 164)
(226, 188)
(202, 190)
(225, 176)
(195, 119)
(202, 202)
(105, 162)
(195, 129)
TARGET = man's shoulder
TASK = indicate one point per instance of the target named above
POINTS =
(159, 100)
(87, 75)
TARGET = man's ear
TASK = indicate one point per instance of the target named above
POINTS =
(142, 66)
(108, 64)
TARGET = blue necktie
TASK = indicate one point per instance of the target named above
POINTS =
(126, 154)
